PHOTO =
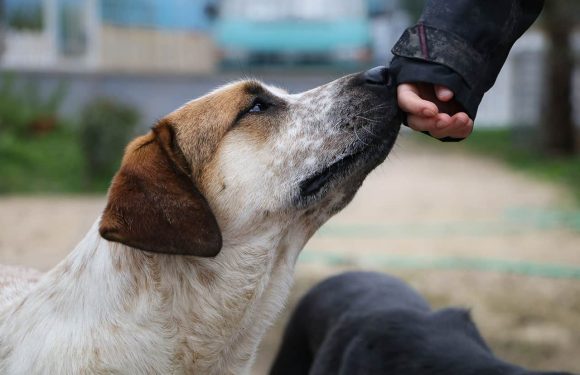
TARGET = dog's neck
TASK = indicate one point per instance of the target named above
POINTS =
(160, 313)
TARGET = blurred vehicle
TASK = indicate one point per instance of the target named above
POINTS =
(293, 32)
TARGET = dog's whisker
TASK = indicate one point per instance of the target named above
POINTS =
(370, 132)
(376, 108)
(357, 137)
(368, 119)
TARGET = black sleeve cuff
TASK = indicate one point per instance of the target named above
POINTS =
(408, 70)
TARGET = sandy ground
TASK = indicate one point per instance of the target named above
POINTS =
(425, 204)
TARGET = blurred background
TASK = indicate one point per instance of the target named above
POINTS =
(492, 223)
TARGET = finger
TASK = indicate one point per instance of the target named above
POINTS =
(443, 121)
(461, 117)
(443, 133)
(458, 126)
(411, 102)
(443, 93)
(442, 126)
(421, 123)
(463, 125)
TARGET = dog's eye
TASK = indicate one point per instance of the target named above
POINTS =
(259, 106)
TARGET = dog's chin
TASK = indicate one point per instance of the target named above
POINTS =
(347, 173)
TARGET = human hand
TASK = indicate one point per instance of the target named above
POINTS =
(431, 108)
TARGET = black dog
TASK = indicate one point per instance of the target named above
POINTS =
(369, 323)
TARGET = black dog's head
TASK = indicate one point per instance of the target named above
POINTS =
(406, 342)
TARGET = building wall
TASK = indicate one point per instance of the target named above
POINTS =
(148, 50)
(517, 96)
(19, 46)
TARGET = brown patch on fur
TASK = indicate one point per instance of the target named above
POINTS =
(52, 295)
(19, 305)
(114, 328)
(245, 356)
(186, 357)
(180, 353)
(205, 276)
(249, 295)
(201, 124)
(116, 260)
(153, 270)
(153, 203)
(96, 354)
(261, 126)
(132, 263)
(5, 350)
(65, 268)
(281, 251)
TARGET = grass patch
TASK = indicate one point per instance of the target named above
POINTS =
(50, 163)
(500, 145)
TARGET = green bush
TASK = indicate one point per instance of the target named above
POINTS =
(49, 164)
(105, 129)
(39, 152)
(24, 111)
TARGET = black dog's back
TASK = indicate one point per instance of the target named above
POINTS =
(329, 301)
(370, 323)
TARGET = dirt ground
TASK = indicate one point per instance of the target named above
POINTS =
(463, 230)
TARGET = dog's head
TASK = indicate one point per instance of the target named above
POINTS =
(247, 157)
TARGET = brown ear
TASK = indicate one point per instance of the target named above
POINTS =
(153, 203)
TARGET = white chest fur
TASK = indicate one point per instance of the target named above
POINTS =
(110, 309)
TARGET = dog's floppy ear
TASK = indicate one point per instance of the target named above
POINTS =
(153, 204)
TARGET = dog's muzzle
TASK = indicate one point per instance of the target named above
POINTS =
(376, 116)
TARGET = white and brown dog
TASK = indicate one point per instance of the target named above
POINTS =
(194, 254)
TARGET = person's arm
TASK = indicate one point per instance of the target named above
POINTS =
(460, 45)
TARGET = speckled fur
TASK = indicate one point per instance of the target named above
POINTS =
(111, 309)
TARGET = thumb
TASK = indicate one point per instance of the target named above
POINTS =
(443, 93)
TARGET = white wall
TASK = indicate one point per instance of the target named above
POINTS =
(28, 50)
(516, 97)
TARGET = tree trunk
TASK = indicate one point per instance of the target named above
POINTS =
(558, 131)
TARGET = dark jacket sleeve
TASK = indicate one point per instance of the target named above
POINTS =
(462, 44)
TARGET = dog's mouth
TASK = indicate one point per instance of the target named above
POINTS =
(315, 183)
(360, 161)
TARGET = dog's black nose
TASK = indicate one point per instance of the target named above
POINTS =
(378, 75)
